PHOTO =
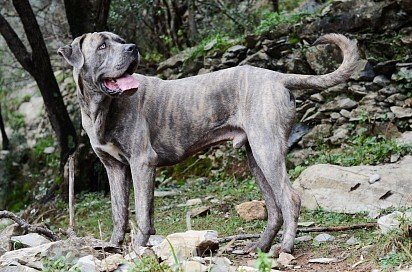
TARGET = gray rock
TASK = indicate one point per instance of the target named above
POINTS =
(386, 68)
(5, 237)
(259, 59)
(357, 90)
(239, 252)
(193, 266)
(298, 131)
(30, 240)
(392, 221)
(194, 201)
(388, 90)
(302, 239)
(364, 71)
(352, 241)
(405, 138)
(374, 178)
(319, 132)
(395, 98)
(339, 135)
(317, 97)
(323, 58)
(347, 189)
(381, 81)
(339, 104)
(345, 113)
(155, 240)
(166, 193)
(49, 150)
(323, 238)
(401, 112)
(32, 111)
(176, 60)
(335, 115)
(15, 267)
(88, 263)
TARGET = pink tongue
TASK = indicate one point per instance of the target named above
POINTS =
(125, 82)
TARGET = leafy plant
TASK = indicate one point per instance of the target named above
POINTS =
(263, 262)
(274, 19)
(59, 264)
(149, 264)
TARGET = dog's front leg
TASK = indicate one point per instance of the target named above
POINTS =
(119, 179)
(143, 176)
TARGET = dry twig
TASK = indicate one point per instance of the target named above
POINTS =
(302, 230)
(27, 227)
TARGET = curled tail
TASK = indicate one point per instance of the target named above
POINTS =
(350, 59)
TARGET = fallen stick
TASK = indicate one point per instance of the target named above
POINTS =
(301, 230)
(27, 227)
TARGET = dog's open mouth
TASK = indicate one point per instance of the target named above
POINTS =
(124, 83)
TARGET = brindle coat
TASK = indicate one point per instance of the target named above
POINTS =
(166, 121)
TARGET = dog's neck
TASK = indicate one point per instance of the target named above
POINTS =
(94, 106)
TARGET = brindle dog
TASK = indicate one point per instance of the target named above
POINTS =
(137, 123)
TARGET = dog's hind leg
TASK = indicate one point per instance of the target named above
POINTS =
(275, 219)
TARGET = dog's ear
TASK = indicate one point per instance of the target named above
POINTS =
(73, 53)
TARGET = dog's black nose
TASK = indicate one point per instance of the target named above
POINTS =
(130, 48)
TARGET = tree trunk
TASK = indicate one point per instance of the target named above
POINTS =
(86, 16)
(38, 65)
(5, 139)
(275, 5)
(79, 16)
(192, 22)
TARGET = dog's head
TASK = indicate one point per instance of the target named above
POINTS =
(104, 60)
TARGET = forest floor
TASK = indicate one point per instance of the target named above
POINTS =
(370, 251)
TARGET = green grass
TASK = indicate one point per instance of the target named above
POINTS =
(273, 19)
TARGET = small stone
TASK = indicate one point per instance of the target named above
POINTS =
(401, 112)
(239, 252)
(334, 115)
(252, 210)
(88, 263)
(285, 258)
(374, 178)
(49, 150)
(317, 97)
(388, 90)
(306, 224)
(338, 104)
(200, 211)
(192, 266)
(30, 240)
(194, 201)
(363, 72)
(243, 268)
(394, 158)
(323, 260)
(215, 201)
(166, 193)
(391, 221)
(345, 113)
(352, 241)
(111, 263)
(381, 80)
(305, 238)
(155, 240)
(324, 237)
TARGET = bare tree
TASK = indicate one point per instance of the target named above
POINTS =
(37, 64)
(5, 139)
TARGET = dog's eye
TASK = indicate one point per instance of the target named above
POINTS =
(102, 46)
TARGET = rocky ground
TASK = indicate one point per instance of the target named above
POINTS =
(349, 156)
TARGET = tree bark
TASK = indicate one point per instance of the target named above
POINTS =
(192, 21)
(5, 139)
(86, 16)
(275, 5)
(38, 65)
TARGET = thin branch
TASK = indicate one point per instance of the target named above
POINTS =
(27, 227)
(16, 45)
(302, 230)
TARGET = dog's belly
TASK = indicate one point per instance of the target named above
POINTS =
(169, 155)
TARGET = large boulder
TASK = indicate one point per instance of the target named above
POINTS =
(350, 190)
